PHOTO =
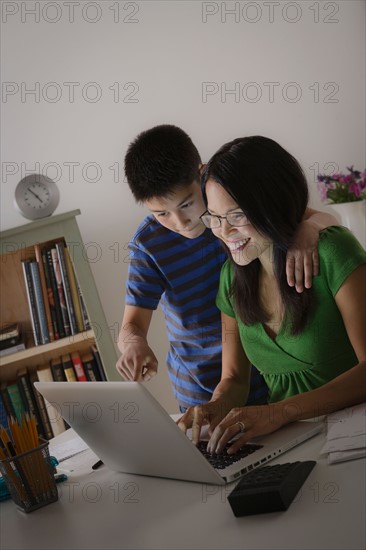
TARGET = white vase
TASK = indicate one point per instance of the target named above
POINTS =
(353, 216)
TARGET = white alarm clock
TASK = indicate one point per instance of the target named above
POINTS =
(36, 196)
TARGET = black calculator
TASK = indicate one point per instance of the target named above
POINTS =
(269, 488)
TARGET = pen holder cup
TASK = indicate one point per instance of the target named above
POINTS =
(30, 478)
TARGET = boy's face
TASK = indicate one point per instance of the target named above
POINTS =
(181, 211)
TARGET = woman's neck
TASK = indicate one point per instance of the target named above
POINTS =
(267, 264)
(270, 297)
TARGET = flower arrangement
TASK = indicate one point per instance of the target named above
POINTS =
(339, 188)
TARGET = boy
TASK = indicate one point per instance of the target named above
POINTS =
(176, 261)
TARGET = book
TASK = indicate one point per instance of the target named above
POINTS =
(75, 293)
(57, 370)
(50, 296)
(9, 342)
(60, 248)
(31, 303)
(98, 363)
(12, 349)
(61, 292)
(6, 400)
(42, 277)
(41, 406)
(16, 399)
(53, 294)
(3, 414)
(68, 368)
(84, 311)
(29, 399)
(90, 367)
(45, 337)
(8, 330)
(78, 366)
(58, 426)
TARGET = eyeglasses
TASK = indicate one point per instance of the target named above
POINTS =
(235, 219)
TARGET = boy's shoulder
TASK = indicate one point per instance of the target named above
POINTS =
(151, 233)
(147, 225)
(152, 237)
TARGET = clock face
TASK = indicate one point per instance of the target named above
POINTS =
(36, 196)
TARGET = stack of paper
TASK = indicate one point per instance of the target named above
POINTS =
(346, 434)
(67, 449)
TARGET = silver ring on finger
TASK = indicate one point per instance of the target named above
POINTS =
(241, 427)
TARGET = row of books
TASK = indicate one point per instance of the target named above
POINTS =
(55, 302)
(20, 395)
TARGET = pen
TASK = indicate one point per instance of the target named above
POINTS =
(97, 465)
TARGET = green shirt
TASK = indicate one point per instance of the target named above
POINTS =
(296, 364)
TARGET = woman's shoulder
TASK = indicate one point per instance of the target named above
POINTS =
(227, 270)
(226, 278)
(340, 254)
(338, 240)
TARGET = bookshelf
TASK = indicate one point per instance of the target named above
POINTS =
(17, 245)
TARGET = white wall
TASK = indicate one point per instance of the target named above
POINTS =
(296, 69)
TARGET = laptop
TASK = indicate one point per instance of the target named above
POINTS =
(131, 432)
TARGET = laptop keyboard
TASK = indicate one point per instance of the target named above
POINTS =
(223, 460)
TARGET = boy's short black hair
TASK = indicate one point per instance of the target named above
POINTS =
(159, 161)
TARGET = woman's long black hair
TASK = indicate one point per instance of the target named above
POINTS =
(270, 187)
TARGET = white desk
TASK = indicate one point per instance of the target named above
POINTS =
(102, 509)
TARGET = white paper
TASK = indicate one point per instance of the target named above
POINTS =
(346, 455)
(347, 423)
(346, 434)
(344, 444)
(63, 451)
(81, 463)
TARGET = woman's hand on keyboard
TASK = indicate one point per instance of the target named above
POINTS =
(210, 413)
(247, 423)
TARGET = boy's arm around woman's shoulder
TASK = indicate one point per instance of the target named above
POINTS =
(138, 361)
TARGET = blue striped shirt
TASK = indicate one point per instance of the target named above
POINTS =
(183, 276)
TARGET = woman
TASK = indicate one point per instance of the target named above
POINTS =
(310, 347)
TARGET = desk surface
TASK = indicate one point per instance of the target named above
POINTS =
(102, 509)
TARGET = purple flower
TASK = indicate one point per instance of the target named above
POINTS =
(355, 188)
(322, 190)
(339, 187)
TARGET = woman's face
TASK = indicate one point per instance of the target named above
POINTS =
(244, 242)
